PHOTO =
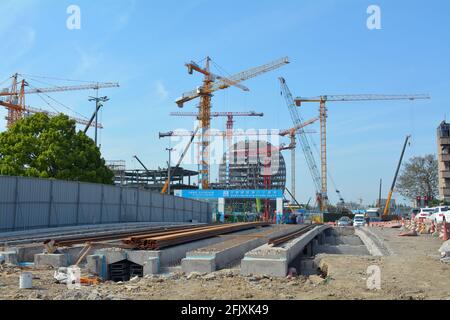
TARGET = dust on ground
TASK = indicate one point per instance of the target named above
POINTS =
(414, 271)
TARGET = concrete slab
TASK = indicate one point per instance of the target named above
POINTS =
(50, 260)
(229, 252)
(274, 261)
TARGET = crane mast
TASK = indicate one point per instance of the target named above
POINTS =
(323, 111)
(303, 138)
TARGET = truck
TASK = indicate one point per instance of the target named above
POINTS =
(374, 214)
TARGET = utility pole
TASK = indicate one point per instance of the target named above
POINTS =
(169, 164)
(98, 104)
(379, 195)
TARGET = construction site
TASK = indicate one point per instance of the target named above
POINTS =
(226, 217)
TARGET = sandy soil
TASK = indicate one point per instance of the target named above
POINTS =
(412, 272)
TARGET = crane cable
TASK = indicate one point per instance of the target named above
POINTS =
(60, 103)
(54, 78)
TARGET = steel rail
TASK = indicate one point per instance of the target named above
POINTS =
(168, 240)
(120, 235)
(276, 241)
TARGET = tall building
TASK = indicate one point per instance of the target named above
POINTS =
(444, 160)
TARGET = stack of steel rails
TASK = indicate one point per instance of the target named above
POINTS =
(167, 239)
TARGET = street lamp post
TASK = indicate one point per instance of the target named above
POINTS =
(98, 104)
(169, 164)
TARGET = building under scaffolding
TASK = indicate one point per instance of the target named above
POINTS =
(152, 179)
(253, 165)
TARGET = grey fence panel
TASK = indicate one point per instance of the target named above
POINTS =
(188, 209)
(27, 203)
(33, 198)
(90, 204)
(64, 203)
(129, 205)
(7, 202)
(203, 213)
(145, 207)
(111, 204)
(169, 208)
(196, 211)
(157, 207)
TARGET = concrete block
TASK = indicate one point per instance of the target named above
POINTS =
(199, 264)
(112, 256)
(151, 266)
(270, 267)
(50, 260)
(445, 249)
(139, 257)
(10, 257)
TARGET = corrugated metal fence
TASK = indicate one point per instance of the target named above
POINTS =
(29, 203)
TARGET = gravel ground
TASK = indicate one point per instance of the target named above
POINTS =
(412, 272)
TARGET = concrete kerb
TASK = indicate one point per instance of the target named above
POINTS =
(372, 243)
(274, 261)
(209, 261)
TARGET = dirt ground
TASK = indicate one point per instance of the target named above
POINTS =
(412, 272)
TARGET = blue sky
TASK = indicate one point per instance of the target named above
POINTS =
(143, 44)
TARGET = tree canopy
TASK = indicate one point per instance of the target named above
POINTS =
(50, 147)
(419, 177)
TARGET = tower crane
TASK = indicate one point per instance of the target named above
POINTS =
(13, 98)
(322, 100)
(293, 146)
(211, 84)
(304, 141)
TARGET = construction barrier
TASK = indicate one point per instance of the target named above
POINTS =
(445, 231)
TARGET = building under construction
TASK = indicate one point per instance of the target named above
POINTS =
(152, 179)
(253, 165)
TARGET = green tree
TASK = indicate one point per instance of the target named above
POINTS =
(40, 146)
(419, 177)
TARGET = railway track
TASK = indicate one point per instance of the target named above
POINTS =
(277, 241)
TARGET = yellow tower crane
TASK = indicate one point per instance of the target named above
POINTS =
(322, 100)
(211, 84)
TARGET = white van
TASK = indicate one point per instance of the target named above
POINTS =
(359, 220)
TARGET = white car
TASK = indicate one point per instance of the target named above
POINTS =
(439, 214)
(425, 213)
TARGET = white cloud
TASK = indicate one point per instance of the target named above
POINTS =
(87, 61)
(123, 19)
(161, 92)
